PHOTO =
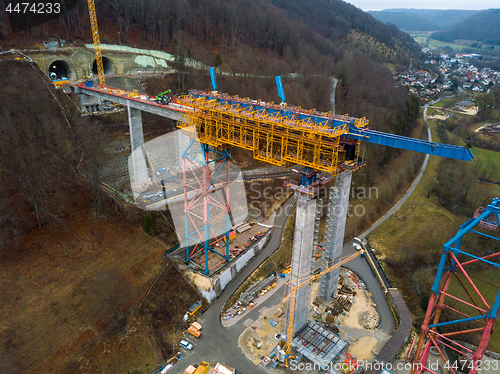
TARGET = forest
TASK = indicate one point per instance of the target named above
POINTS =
(305, 34)
(482, 27)
(423, 19)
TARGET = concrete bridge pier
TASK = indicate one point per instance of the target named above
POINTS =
(338, 207)
(301, 258)
(139, 171)
(89, 103)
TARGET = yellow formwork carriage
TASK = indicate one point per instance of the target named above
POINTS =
(272, 138)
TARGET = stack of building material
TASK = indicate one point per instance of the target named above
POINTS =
(251, 293)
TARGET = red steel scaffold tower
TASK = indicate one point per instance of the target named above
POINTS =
(206, 202)
(481, 314)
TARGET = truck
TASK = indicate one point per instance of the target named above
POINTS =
(202, 368)
(197, 325)
(194, 331)
(194, 308)
(223, 369)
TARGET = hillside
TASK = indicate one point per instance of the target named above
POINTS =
(29, 194)
(422, 19)
(298, 33)
(483, 27)
(336, 19)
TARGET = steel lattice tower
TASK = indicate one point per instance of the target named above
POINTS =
(207, 212)
(484, 313)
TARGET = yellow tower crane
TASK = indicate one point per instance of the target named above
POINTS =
(293, 293)
(97, 42)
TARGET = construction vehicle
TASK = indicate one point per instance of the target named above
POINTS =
(293, 293)
(194, 308)
(202, 368)
(223, 369)
(195, 329)
(162, 98)
(349, 365)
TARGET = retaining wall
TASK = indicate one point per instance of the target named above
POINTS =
(224, 276)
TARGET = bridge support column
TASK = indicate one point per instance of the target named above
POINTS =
(301, 258)
(139, 167)
(89, 103)
(334, 232)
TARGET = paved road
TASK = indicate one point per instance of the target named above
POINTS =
(221, 344)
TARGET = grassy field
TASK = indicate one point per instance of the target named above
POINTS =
(420, 36)
(439, 44)
(491, 157)
(421, 223)
(423, 38)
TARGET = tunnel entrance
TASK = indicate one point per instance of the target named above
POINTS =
(106, 64)
(59, 69)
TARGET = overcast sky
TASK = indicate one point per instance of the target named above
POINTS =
(424, 4)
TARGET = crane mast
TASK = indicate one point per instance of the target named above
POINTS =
(293, 291)
(97, 42)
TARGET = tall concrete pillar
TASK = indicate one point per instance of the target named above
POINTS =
(334, 232)
(139, 168)
(301, 258)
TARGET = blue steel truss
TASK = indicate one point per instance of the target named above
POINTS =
(365, 134)
(213, 79)
(411, 144)
(281, 91)
(482, 313)
(454, 244)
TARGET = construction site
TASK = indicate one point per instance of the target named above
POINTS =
(321, 310)
(325, 319)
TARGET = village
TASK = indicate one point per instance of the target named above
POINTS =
(454, 73)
